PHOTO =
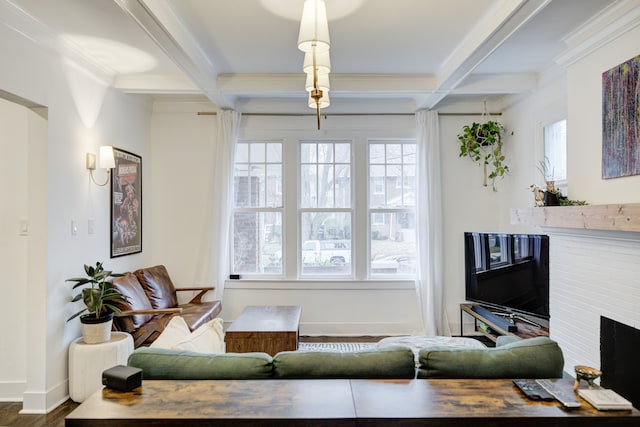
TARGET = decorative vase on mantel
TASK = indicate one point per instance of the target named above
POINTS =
(551, 195)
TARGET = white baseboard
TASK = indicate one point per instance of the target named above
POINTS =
(11, 391)
(34, 402)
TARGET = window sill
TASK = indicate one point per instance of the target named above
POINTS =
(320, 284)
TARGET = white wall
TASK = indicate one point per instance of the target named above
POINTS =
(82, 114)
(585, 124)
(13, 246)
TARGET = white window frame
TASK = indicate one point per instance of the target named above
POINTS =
(562, 185)
(258, 209)
(302, 210)
(371, 211)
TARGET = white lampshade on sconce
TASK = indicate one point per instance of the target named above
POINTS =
(106, 161)
(313, 40)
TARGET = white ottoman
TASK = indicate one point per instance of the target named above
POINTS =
(88, 361)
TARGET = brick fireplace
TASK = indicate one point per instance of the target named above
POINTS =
(593, 273)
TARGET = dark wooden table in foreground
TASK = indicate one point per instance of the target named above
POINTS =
(267, 328)
(449, 403)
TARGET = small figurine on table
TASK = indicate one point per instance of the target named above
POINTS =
(585, 373)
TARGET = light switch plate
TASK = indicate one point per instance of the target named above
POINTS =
(24, 227)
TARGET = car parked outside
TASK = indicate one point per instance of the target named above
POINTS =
(326, 252)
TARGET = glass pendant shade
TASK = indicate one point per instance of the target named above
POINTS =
(323, 62)
(314, 27)
(324, 101)
(323, 82)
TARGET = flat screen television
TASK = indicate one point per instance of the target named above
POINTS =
(508, 272)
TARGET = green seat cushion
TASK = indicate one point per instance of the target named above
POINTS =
(166, 364)
(538, 357)
(395, 362)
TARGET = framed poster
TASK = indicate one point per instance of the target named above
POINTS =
(126, 204)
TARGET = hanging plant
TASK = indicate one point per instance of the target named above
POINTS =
(482, 143)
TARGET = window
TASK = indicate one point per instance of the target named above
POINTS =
(258, 208)
(392, 213)
(325, 208)
(297, 214)
(555, 152)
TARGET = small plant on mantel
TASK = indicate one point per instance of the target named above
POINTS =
(553, 196)
(482, 143)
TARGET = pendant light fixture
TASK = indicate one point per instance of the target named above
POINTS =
(313, 40)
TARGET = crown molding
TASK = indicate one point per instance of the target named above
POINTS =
(611, 23)
(21, 22)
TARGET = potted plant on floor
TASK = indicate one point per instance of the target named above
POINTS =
(98, 298)
(482, 143)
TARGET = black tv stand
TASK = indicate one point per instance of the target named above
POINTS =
(492, 325)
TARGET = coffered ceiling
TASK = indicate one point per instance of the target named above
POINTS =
(386, 55)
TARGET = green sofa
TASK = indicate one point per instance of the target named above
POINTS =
(538, 357)
(530, 358)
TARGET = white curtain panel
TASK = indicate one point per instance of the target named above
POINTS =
(429, 283)
(214, 255)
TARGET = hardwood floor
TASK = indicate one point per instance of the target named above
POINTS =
(9, 411)
(9, 415)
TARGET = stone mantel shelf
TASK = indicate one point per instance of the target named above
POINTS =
(615, 217)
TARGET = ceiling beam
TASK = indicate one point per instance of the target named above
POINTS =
(159, 21)
(491, 32)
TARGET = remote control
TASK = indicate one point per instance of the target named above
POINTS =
(533, 390)
(563, 395)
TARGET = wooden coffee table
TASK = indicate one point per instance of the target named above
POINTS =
(266, 328)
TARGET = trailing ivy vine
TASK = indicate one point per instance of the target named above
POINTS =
(482, 143)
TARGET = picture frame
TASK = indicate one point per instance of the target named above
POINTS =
(621, 120)
(126, 204)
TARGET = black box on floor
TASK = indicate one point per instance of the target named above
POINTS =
(123, 378)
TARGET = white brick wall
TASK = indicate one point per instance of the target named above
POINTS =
(592, 273)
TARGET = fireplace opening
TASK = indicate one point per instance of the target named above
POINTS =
(619, 363)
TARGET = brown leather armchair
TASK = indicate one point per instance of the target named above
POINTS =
(151, 302)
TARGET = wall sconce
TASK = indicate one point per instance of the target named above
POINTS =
(106, 162)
